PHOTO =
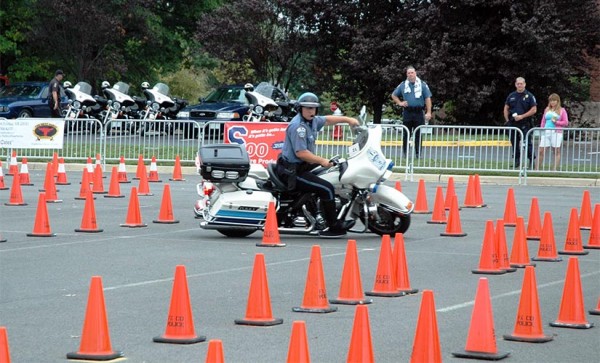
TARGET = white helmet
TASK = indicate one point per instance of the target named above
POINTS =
(67, 84)
(105, 84)
(249, 87)
(145, 85)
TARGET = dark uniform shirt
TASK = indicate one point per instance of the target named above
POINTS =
(519, 103)
(54, 86)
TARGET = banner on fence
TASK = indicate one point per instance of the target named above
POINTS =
(263, 140)
(32, 133)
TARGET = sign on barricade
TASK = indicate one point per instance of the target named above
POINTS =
(30, 133)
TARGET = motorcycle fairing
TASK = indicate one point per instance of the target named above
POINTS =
(391, 198)
(240, 208)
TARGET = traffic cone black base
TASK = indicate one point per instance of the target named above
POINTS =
(571, 325)
(114, 355)
(481, 355)
(516, 338)
(275, 321)
(330, 309)
(198, 339)
(351, 302)
(547, 259)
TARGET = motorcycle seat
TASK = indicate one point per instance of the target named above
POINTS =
(274, 178)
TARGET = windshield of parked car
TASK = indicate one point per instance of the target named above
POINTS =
(225, 94)
(121, 87)
(162, 88)
(17, 90)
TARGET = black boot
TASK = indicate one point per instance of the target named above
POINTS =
(337, 228)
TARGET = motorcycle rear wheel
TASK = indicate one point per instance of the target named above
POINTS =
(389, 223)
(236, 233)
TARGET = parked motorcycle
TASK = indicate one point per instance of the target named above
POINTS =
(118, 103)
(154, 114)
(234, 196)
(261, 108)
(78, 116)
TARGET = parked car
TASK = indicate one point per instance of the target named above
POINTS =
(229, 103)
(26, 99)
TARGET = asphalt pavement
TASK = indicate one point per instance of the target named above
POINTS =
(45, 281)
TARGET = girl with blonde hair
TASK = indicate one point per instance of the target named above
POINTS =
(554, 119)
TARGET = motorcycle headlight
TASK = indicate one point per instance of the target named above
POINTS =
(155, 106)
(183, 114)
(116, 105)
(228, 115)
(76, 104)
(258, 109)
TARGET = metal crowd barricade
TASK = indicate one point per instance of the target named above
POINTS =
(465, 148)
(578, 152)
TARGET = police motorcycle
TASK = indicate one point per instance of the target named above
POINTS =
(158, 102)
(261, 108)
(117, 103)
(234, 195)
(78, 115)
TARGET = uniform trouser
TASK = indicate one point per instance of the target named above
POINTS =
(308, 182)
(515, 140)
(54, 112)
(412, 119)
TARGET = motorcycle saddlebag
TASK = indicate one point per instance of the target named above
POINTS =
(224, 162)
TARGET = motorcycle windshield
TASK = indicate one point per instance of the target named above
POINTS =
(83, 87)
(162, 88)
(121, 87)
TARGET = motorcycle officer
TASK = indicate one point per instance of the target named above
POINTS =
(297, 159)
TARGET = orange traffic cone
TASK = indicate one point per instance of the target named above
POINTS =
(258, 310)
(214, 353)
(594, 240)
(13, 168)
(122, 171)
(2, 186)
(528, 326)
(315, 293)
(501, 248)
(99, 163)
(573, 243)
(426, 345)
(88, 220)
(421, 202)
(351, 292)
(361, 345)
(61, 176)
(547, 247)
(453, 227)
(385, 277)
(16, 196)
(470, 198)
(450, 192)
(114, 190)
(481, 341)
(134, 216)
(24, 173)
(144, 186)
(572, 311)
(98, 184)
(398, 186)
(298, 351)
(271, 231)
(141, 168)
(4, 351)
(534, 226)
(90, 168)
(488, 261)
(165, 215)
(510, 210)
(55, 164)
(153, 173)
(596, 310)
(50, 186)
(585, 219)
(400, 266)
(478, 193)
(439, 211)
(177, 176)
(180, 321)
(519, 256)
(85, 185)
(95, 337)
(41, 227)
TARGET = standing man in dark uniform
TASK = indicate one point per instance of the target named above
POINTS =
(298, 158)
(54, 89)
(414, 95)
(519, 109)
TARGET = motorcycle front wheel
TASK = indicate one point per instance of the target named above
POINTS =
(388, 222)
(236, 233)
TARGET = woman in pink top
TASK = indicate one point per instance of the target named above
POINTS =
(553, 121)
